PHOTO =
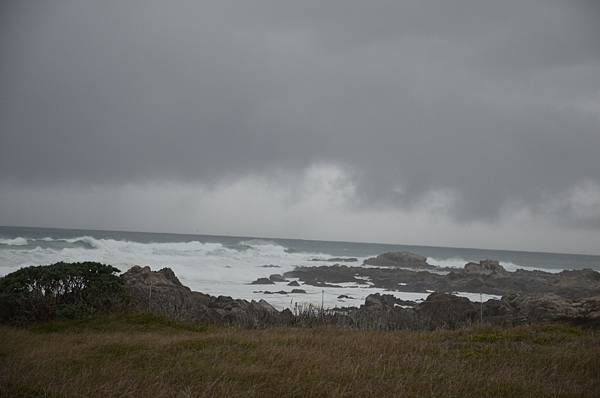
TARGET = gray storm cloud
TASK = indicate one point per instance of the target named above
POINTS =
(495, 102)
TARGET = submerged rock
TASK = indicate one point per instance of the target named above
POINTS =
(293, 283)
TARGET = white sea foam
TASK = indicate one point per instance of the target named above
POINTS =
(14, 242)
(458, 262)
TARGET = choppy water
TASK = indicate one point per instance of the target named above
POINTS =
(220, 265)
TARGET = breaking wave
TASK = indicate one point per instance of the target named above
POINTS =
(14, 242)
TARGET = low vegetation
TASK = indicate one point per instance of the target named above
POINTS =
(60, 291)
(143, 355)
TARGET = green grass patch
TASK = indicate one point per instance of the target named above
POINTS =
(118, 322)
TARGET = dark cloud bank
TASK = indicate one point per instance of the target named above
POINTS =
(495, 103)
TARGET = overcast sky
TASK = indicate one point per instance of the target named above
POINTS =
(463, 123)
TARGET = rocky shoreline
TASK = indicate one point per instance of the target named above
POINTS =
(527, 296)
(485, 277)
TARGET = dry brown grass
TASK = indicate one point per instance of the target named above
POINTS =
(144, 356)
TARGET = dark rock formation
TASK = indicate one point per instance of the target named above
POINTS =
(385, 301)
(441, 310)
(277, 278)
(160, 292)
(399, 260)
(485, 267)
(262, 281)
(269, 266)
(550, 307)
(293, 283)
(298, 291)
(486, 277)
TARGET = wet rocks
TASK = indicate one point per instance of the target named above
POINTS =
(399, 260)
(293, 283)
(301, 291)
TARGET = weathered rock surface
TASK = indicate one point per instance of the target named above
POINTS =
(441, 310)
(399, 260)
(550, 307)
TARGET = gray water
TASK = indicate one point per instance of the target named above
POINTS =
(20, 243)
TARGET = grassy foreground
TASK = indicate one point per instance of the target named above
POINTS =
(141, 355)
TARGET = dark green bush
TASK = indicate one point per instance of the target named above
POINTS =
(60, 291)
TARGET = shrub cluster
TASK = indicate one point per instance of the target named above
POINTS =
(60, 291)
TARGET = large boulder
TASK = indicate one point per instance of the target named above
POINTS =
(162, 293)
(442, 310)
(398, 260)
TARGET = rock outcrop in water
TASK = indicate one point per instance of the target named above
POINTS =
(399, 260)
(484, 267)
(486, 277)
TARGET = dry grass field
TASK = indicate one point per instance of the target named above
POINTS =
(145, 356)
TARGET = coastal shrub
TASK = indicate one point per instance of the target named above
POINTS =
(60, 291)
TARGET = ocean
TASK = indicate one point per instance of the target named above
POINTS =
(225, 265)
